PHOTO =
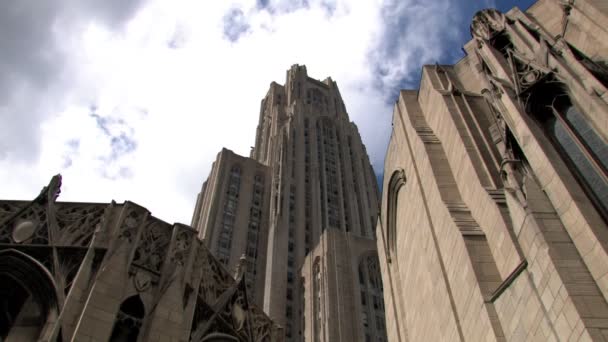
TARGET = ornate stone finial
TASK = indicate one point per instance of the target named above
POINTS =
(567, 6)
(514, 177)
(241, 267)
(486, 22)
(50, 192)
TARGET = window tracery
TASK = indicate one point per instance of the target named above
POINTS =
(372, 299)
(581, 148)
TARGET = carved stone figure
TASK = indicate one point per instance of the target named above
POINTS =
(487, 22)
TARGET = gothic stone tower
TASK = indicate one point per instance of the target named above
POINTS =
(496, 185)
(323, 209)
(320, 200)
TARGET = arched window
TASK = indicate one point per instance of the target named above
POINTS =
(372, 299)
(582, 149)
(394, 185)
(128, 320)
(27, 297)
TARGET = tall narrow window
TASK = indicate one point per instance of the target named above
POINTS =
(581, 148)
(394, 185)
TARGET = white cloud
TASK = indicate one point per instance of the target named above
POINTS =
(134, 102)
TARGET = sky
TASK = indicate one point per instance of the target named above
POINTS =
(133, 99)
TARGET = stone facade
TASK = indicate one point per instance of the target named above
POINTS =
(113, 272)
(322, 201)
(332, 298)
(494, 214)
(229, 216)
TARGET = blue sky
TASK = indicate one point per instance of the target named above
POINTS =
(132, 99)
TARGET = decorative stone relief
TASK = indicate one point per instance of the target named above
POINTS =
(70, 260)
(487, 22)
(152, 247)
(128, 230)
(77, 223)
(214, 280)
(261, 325)
(181, 246)
(142, 280)
(8, 209)
(23, 231)
(513, 174)
(27, 226)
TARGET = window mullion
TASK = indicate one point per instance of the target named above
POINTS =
(582, 145)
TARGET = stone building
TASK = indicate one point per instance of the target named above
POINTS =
(319, 211)
(114, 272)
(494, 214)
(229, 216)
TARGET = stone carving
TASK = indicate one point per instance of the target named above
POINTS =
(486, 23)
(77, 223)
(560, 46)
(223, 306)
(78, 232)
(527, 73)
(35, 212)
(23, 231)
(513, 173)
(215, 280)
(128, 230)
(49, 193)
(142, 280)
(233, 312)
(181, 246)
(69, 264)
(8, 209)
(152, 247)
(261, 325)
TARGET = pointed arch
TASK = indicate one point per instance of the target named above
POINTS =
(128, 320)
(396, 182)
(28, 296)
(580, 146)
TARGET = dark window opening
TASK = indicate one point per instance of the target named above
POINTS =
(128, 320)
(502, 42)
